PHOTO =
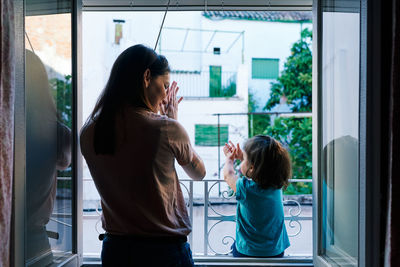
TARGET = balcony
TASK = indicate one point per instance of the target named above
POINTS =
(211, 205)
(213, 219)
(205, 84)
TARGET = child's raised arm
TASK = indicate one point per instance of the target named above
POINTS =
(229, 171)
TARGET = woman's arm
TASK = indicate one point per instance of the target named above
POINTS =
(169, 107)
(195, 169)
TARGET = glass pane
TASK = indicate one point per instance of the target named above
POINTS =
(190, 62)
(340, 119)
(48, 134)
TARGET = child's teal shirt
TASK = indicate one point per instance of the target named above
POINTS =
(260, 227)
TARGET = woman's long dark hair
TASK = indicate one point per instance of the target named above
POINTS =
(124, 88)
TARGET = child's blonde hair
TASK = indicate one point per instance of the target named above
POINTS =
(271, 162)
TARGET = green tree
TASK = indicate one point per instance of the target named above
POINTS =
(257, 122)
(62, 95)
(295, 81)
(295, 85)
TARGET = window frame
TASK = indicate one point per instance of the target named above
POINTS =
(196, 5)
(370, 111)
(18, 234)
(370, 133)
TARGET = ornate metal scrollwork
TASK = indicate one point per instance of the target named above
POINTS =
(187, 202)
(294, 212)
(225, 195)
(224, 240)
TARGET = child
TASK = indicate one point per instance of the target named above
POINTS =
(260, 227)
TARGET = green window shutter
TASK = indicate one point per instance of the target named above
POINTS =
(265, 68)
(207, 134)
(215, 81)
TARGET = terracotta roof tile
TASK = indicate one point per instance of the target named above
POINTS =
(292, 16)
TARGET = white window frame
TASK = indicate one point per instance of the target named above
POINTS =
(196, 5)
(369, 109)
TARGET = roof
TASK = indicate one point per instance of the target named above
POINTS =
(281, 16)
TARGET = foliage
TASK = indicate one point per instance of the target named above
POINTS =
(229, 90)
(62, 93)
(296, 135)
(295, 82)
(295, 85)
(257, 122)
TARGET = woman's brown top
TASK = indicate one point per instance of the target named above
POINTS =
(138, 184)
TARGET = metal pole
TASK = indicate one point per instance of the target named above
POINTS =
(242, 47)
(205, 218)
(184, 40)
(76, 83)
(251, 126)
(219, 156)
(191, 211)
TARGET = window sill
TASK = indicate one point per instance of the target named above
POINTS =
(230, 261)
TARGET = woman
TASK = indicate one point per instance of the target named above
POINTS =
(130, 150)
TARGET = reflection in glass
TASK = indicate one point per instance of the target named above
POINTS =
(340, 98)
(48, 139)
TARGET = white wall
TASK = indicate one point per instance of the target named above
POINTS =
(261, 40)
(201, 111)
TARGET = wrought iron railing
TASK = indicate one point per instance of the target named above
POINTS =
(212, 217)
(214, 195)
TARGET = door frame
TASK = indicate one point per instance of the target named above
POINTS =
(17, 246)
(370, 161)
(77, 207)
(372, 133)
(18, 232)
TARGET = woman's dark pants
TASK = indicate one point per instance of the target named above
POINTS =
(131, 251)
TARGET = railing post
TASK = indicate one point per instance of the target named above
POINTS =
(242, 47)
(191, 212)
(205, 218)
(251, 125)
(219, 156)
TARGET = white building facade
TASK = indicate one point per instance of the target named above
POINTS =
(217, 58)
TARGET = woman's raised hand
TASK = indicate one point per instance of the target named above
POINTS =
(169, 106)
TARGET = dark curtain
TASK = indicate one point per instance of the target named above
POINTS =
(7, 89)
(393, 230)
